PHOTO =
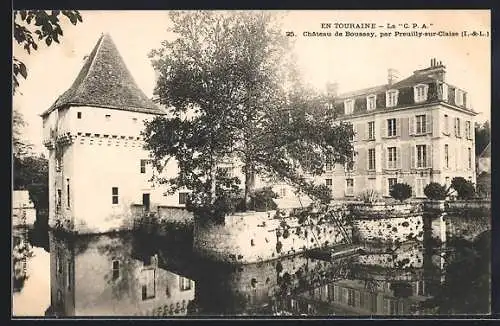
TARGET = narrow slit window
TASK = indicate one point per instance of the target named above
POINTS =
(114, 195)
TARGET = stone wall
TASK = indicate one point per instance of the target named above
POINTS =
(390, 229)
(258, 236)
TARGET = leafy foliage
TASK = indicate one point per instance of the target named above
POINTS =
(233, 93)
(464, 188)
(32, 26)
(262, 200)
(400, 191)
(435, 191)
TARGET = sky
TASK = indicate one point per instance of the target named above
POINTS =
(352, 62)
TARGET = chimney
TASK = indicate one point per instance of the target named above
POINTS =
(436, 70)
(332, 89)
(392, 76)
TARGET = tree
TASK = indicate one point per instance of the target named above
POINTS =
(400, 191)
(464, 188)
(435, 191)
(45, 25)
(233, 94)
(483, 136)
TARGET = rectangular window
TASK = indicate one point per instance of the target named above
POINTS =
(329, 183)
(349, 106)
(446, 156)
(371, 130)
(391, 182)
(148, 282)
(283, 192)
(349, 191)
(59, 200)
(371, 102)
(391, 127)
(143, 166)
(469, 151)
(78, 115)
(69, 274)
(459, 97)
(183, 198)
(108, 117)
(329, 163)
(457, 127)
(58, 162)
(392, 99)
(114, 195)
(419, 188)
(421, 123)
(391, 157)
(371, 159)
(59, 263)
(68, 193)
(420, 93)
(421, 156)
(184, 284)
(443, 92)
(446, 125)
(115, 269)
(468, 130)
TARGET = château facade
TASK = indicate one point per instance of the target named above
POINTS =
(416, 130)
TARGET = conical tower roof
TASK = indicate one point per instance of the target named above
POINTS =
(105, 81)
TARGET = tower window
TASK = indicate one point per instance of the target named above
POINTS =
(114, 195)
(116, 269)
(108, 117)
(79, 115)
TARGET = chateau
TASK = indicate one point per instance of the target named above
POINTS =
(415, 130)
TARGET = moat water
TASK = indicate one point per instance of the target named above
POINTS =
(139, 275)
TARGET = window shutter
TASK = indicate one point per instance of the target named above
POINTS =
(384, 128)
(398, 127)
(367, 131)
(355, 163)
(385, 186)
(384, 157)
(428, 123)
(398, 157)
(429, 156)
(411, 126)
(412, 156)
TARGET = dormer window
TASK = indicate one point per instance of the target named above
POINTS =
(459, 97)
(391, 98)
(420, 93)
(349, 106)
(443, 92)
(371, 102)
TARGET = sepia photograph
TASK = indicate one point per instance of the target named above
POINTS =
(258, 163)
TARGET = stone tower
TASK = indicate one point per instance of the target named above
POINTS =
(98, 169)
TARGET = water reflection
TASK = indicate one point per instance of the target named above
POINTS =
(99, 276)
(142, 275)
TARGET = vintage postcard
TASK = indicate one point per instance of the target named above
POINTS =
(258, 163)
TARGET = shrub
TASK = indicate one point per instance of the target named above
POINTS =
(370, 196)
(464, 188)
(400, 191)
(262, 200)
(435, 191)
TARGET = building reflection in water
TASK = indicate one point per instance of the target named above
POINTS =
(98, 276)
(376, 283)
(123, 275)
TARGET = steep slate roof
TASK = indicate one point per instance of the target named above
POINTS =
(105, 81)
(487, 151)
